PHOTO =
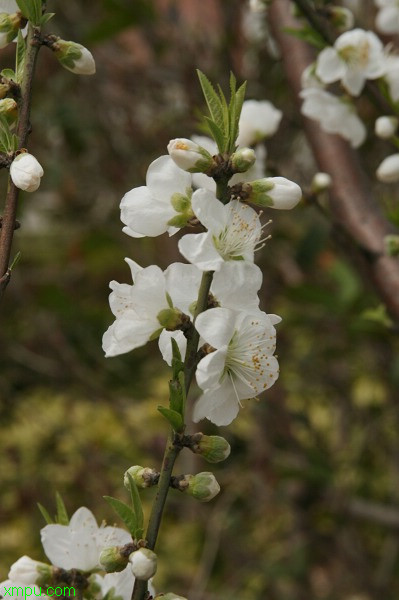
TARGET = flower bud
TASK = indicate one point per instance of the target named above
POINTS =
(143, 477)
(388, 171)
(74, 57)
(320, 182)
(342, 18)
(26, 570)
(274, 192)
(243, 159)
(213, 448)
(391, 243)
(9, 25)
(202, 487)
(26, 172)
(113, 559)
(189, 156)
(385, 127)
(9, 108)
(143, 563)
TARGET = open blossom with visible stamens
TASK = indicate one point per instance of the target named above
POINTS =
(242, 364)
(156, 208)
(357, 55)
(234, 233)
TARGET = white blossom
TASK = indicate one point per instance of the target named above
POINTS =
(147, 210)
(27, 570)
(234, 232)
(259, 119)
(333, 114)
(321, 181)
(385, 126)
(388, 171)
(26, 172)
(392, 75)
(78, 545)
(357, 55)
(143, 563)
(387, 19)
(241, 366)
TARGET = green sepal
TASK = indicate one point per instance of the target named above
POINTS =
(174, 418)
(179, 220)
(20, 57)
(8, 74)
(124, 512)
(236, 258)
(156, 334)
(45, 514)
(212, 99)
(62, 515)
(169, 300)
(137, 507)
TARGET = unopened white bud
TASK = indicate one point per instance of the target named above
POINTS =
(143, 477)
(385, 127)
(74, 57)
(26, 172)
(213, 448)
(189, 156)
(320, 182)
(275, 192)
(9, 25)
(27, 570)
(342, 18)
(143, 563)
(388, 171)
(243, 159)
(202, 487)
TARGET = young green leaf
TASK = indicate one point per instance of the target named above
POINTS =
(212, 99)
(137, 507)
(5, 135)
(238, 102)
(124, 512)
(20, 57)
(226, 119)
(8, 74)
(175, 396)
(174, 418)
(217, 134)
(62, 515)
(25, 8)
(45, 514)
(182, 381)
(46, 18)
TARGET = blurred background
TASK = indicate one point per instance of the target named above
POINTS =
(309, 506)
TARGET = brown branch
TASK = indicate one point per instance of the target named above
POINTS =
(23, 128)
(353, 206)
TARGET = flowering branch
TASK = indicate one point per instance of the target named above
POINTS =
(23, 127)
(352, 204)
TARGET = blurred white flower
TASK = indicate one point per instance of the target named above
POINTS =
(333, 114)
(259, 119)
(385, 127)
(387, 19)
(388, 171)
(392, 75)
(26, 172)
(357, 55)
(78, 545)
(28, 571)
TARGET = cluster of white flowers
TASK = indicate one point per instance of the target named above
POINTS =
(237, 339)
(77, 545)
(356, 56)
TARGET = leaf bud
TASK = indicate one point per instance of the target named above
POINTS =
(9, 108)
(26, 570)
(385, 127)
(243, 159)
(274, 192)
(189, 156)
(388, 171)
(213, 448)
(391, 243)
(202, 487)
(26, 172)
(113, 559)
(320, 182)
(9, 25)
(74, 57)
(143, 563)
(143, 477)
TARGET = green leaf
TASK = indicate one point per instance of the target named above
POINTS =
(5, 134)
(46, 18)
(37, 9)
(62, 515)
(9, 74)
(216, 133)
(45, 514)
(177, 363)
(239, 100)
(175, 396)
(31, 10)
(25, 8)
(173, 417)
(20, 57)
(137, 507)
(212, 100)
(15, 261)
(226, 118)
(124, 512)
(182, 381)
(14, 142)
(307, 35)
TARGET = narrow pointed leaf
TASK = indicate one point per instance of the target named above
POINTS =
(20, 57)
(124, 512)
(137, 507)
(212, 99)
(25, 8)
(175, 396)
(62, 515)
(239, 101)
(45, 514)
(46, 18)
(174, 418)
(217, 134)
(182, 381)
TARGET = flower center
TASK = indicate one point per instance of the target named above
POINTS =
(240, 236)
(356, 56)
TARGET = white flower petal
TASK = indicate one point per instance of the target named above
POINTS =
(210, 369)
(165, 344)
(209, 210)
(200, 250)
(329, 66)
(216, 326)
(164, 178)
(219, 406)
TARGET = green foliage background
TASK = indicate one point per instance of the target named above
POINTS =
(310, 504)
